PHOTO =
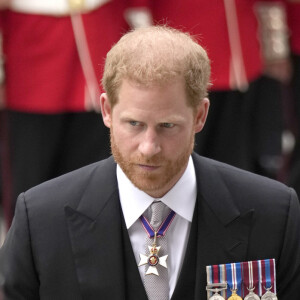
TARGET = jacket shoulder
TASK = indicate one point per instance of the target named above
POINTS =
(240, 183)
(71, 186)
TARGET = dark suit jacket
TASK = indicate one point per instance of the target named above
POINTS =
(68, 239)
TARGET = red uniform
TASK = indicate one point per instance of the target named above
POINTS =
(294, 25)
(293, 11)
(228, 30)
(53, 67)
(210, 22)
(43, 71)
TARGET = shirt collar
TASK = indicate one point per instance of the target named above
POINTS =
(181, 198)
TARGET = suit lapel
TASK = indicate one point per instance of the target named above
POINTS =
(219, 243)
(219, 232)
(222, 228)
(96, 229)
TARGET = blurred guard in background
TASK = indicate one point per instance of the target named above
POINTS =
(53, 57)
(244, 127)
(293, 13)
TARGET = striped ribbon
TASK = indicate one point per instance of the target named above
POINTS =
(162, 228)
(234, 277)
(268, 278)
(216, 274)
(250, 277)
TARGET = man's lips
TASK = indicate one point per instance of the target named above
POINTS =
(148, 167)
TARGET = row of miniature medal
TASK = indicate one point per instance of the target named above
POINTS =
(252, 280)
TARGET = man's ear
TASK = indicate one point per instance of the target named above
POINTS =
(201, 114)
(105, 110)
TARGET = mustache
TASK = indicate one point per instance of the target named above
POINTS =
(155, 160)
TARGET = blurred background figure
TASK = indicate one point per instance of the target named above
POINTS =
(293, 13)
(53, 54)
(3, 5)
(245, 123)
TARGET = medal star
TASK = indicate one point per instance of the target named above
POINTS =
(163, 261)
(152, 270)
(144, 260)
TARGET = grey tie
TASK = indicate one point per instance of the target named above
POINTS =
(157, 287)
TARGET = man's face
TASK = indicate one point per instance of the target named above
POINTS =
(152, 133)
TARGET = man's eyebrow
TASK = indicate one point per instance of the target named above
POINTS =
(128, 116)
(172, 119)
(167, 119)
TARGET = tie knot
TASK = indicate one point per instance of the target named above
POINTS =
(158, 213)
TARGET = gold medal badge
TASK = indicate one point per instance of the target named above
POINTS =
(234, 296)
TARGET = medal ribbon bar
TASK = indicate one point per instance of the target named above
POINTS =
(268, 278)
(251, 284)
(216, 277)
(255, 278)
(234, 278)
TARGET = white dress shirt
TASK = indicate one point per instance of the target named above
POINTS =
(181, 199)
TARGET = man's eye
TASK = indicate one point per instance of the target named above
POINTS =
(167, 125)
(134, 123)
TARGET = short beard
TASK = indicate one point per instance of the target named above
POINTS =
(145, 181)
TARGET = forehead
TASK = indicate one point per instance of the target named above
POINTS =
(157, 102)
(165, 94)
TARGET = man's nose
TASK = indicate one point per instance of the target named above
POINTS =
(149, 144)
